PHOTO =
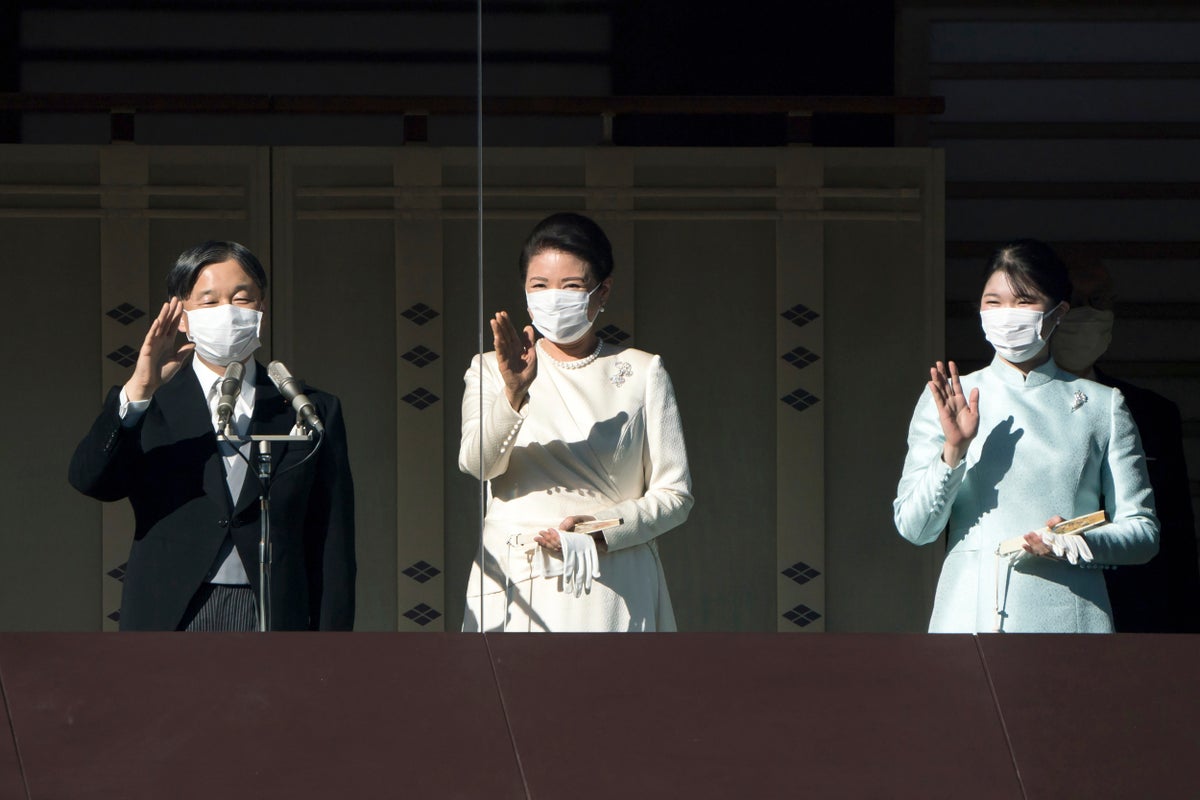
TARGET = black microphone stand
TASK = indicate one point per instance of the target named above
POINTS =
(265, 465)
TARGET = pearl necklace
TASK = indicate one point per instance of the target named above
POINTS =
(578, 363)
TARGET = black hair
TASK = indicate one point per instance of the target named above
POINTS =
(182, 277)
(574, 234)
(1032, 268)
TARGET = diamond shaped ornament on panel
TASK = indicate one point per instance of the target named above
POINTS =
(125, 313)
(801, 573)
(801, 616)
(420, 356)
(611, 334)
(799, 315)
(420, 398)
(422, 571)
(124, 355)
(419, 314)
(800, 399)
(422, 614)
(800, 357)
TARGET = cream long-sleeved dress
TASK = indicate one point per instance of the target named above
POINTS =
(604, 440)
(1048, 444)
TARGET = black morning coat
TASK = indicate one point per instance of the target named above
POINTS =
(169, 467)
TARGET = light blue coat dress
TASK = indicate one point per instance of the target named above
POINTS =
(1048, 444)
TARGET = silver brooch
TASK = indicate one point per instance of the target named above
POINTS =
(623, 370)
(1080, 399)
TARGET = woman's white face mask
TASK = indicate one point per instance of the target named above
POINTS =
(224, 333)
(1016, 333)
(561, 315)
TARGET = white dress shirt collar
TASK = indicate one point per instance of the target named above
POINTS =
(231, 571)
(208, 379)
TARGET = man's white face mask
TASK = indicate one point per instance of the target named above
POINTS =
(225, 333)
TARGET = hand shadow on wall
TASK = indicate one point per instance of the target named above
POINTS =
(594, 454)
(995, 460)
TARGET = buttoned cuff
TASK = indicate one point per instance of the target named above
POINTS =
(946, 478)
(131, 410)
(511, 435)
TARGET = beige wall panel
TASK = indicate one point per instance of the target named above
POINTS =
(610, 174)
(883, 330)
(801, 354)
(336, 324)
(50, 538)
(461, 500)
(706, 303)
(345, 342)
(420, 377)
(800, 386)
(124, 281)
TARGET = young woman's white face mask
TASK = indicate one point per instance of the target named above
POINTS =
(1016, 328)
(1016, 333)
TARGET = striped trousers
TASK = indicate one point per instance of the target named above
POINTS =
(218, 607)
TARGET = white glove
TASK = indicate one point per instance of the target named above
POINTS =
(581, 562)
(1071, 547)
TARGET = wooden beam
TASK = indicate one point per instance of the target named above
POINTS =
(1064, 71)
(1073, 190)
(1150, 251)
(466, 105)
(1064, 130)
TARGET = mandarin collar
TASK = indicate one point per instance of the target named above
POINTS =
(1038, 376)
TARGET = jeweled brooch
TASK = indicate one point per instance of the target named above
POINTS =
(622, 371)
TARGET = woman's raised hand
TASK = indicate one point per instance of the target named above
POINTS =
(159, 359)
(959, 415)
(516, 357)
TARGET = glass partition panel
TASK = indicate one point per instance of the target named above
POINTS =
(736, 257)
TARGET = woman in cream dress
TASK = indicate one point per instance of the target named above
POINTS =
(1015, 446)
(568, 430)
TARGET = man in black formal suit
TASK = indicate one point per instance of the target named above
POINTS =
(1162, 595)
(194, 560)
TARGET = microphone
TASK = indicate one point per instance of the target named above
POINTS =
(231, 387)
(291, 390)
